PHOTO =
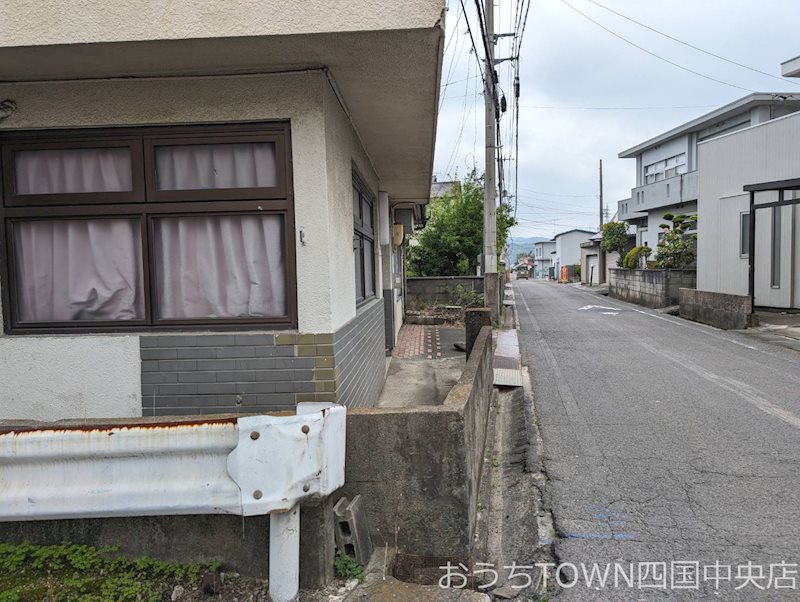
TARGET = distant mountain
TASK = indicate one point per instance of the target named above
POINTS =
(521, 244)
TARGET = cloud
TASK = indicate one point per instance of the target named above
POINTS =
(570, 64)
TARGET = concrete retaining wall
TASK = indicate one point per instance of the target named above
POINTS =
(651, 288)
(419, 470)
(729, 312)
(439, 290)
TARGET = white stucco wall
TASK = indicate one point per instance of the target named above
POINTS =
(57, 377)
(99, 375)
(34, 23)
(297, 97)
(763, 153)
(568, 248)
(343, 153)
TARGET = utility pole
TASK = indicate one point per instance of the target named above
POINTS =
(601, 255)
(491, 282)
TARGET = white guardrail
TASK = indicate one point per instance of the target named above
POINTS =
(247, 466)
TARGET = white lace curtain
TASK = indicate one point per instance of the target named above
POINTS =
(208, 166)
(79, 270)
(73, 170)
(216, 266)
(220, 267)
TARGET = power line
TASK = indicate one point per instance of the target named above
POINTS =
(472, 39)
(576, 196)
(652, 108)
(692, 46)
(659, 57)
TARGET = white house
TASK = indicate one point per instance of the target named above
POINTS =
(763, 156)
(568, 248)
(667, 166)
(543, 258)
(198, 203)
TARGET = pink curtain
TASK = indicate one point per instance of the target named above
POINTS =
(79, 270)
(209, 166)
(73, 170)
(220, 266)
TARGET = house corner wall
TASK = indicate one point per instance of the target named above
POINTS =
(359, 333)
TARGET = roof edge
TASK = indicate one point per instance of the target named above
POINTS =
(749, 101)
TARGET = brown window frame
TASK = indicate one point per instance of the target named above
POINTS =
(363, 232)
(12, 199)
(277, 200)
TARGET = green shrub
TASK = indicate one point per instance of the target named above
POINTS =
(461, 296)
(347, 567)
(633, 258)
(676, 249)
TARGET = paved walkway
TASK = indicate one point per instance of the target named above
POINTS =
(424, 366)
(665, 442)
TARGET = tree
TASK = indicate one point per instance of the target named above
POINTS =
(615, 239)
(452, 240)
(676, 249)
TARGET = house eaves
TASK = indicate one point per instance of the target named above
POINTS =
(791, 68)
(574, 230)
(746, 103)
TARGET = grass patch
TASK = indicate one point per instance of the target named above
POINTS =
(79, 573)
(346, 567)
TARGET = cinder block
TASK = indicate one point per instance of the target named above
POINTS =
(351, 529)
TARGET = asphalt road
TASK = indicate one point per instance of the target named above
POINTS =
(664, 441)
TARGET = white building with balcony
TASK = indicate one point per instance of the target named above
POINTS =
(544, 258)
(667, 165)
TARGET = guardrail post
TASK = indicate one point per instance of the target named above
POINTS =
(284, 555)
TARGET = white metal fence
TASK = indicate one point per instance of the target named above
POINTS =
(247, 466)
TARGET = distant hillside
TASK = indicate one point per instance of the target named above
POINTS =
(523, 245)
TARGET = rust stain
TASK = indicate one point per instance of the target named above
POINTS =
(109, 428)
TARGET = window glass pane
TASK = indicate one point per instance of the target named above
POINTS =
(775, 279)
(366, 209)
(358, 267)
(356, 206)
(79, 269)
(220, 266)
(369, 274)
(212, 166)
(72, 170)
(744, 235)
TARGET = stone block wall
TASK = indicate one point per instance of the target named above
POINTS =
(729, 312)
(439, 290)
(651, 288)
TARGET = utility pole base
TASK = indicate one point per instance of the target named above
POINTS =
(491, 294)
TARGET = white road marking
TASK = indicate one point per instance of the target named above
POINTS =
(742, 390)
(585, 307)
(610, 313)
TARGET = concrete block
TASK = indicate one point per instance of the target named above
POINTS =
(474, 320)
(351, 529)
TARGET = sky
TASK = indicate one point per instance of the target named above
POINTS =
(587, 95)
